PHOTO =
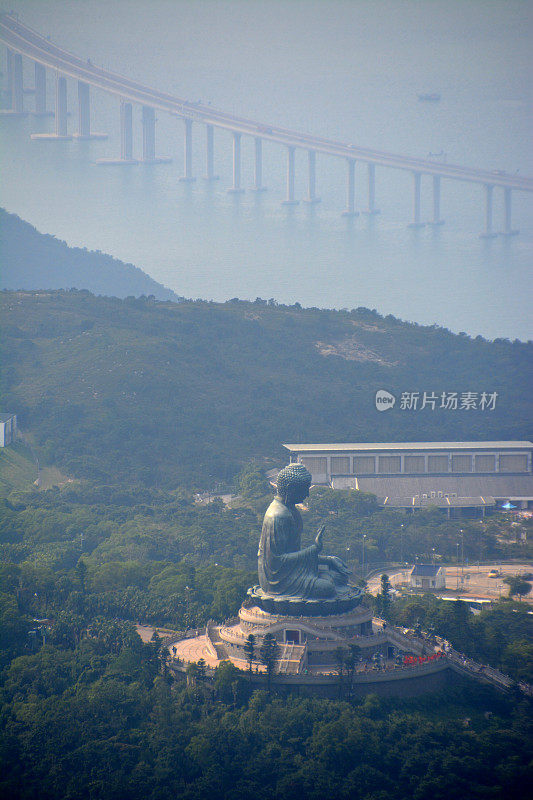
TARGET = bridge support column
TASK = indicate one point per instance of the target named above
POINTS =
(258, 168)
(289, 200)
(436, 202)
(61, 106)
(210, 154)
(311, 181)
(488, 234)
(508, 229)
(417, 176)
(236, 188)
(187, 153)
(9, 72)
(17, 92)
(126, 132)
(148, 123)
(126, 139)
(15, 84)
(350, 190)
(61, 133)
(84, 114)
(371, 190)
(40, 91)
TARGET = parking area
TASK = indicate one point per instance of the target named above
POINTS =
(468, 581)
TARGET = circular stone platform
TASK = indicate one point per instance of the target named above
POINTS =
(345, 600)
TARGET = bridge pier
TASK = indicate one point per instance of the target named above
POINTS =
(488, 234)
(126, 139)
(40, 91)
(61, 133)
(508, 230)
(84, 114)
(9, 73)
(15, 84)
(187, 154)
(61, 107)
(210, 155)
(126, 133)
(311, 180)
(258, 168)
(17, 92)
(436, 202)
(371, 190)
(289, 200)
(416, 202)
(148, 123)
(236, 188)
(350, 190)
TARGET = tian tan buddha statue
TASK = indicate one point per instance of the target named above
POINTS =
(286, 571)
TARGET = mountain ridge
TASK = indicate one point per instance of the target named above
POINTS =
(163, 394)
(32, 260)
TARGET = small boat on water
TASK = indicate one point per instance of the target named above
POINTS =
(429, 97)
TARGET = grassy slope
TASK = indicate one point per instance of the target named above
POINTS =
(163, 393)
(32, 260)
(17, 469)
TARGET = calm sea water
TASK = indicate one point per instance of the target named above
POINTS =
(349, 70)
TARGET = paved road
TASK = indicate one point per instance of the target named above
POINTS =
(473, 581)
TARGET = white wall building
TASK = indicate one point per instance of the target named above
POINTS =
(409, 475)
(427, 577)
(8, 429)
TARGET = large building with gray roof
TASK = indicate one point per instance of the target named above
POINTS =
(411, 475)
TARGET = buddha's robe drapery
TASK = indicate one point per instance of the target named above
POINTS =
(285, 569)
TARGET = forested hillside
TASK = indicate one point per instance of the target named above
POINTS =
(167, 394)
(33, 260)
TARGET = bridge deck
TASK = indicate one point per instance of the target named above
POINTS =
(22, 39)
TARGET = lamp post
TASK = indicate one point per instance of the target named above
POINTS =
(462, 556)
(401, 544)
(363, 559)
(433, 556)
(457, 569)
(188, 620)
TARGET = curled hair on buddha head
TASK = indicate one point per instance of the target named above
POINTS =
(291, 475)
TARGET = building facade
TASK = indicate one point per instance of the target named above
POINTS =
(413, 474)
(8, 429)
(427, 577)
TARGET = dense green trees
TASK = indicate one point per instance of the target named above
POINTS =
(95, 723)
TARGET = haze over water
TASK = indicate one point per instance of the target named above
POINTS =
(346, 70)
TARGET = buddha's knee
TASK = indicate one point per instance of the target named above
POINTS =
(324, 587)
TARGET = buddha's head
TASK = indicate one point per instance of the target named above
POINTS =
(293, 483)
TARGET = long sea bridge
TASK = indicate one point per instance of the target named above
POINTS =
(21, 41)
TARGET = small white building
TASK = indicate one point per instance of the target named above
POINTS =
(427, 577)
(8, 429)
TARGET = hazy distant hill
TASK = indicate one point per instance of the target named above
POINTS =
(33, 260)
(164, 393)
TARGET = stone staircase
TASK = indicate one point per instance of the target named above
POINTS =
(291, 658)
